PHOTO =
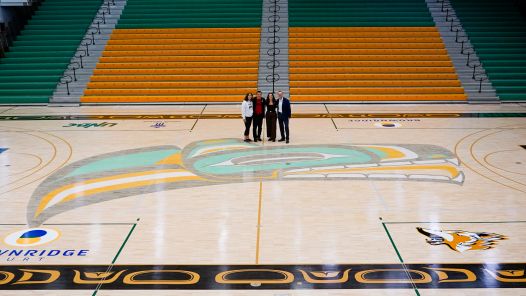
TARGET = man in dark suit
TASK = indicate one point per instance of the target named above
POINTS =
(284, 114)
(259, 113)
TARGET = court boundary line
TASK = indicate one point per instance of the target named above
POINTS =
(455, 222)
(198, 117)
(110, 267)
(69, 224)
(470, 145)
(429, 128)
(486, 161)
(110, 130)
(77, 224)
(332, 119)
(258, 233)
(415, 288)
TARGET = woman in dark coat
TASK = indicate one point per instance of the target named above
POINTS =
(271, 117)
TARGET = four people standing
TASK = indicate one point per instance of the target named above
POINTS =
(255, 109)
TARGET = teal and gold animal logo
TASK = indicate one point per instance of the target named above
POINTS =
(228, 161)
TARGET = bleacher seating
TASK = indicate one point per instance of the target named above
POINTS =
(35, 63)
(497, 30)
(385, 50)
(208, 51)
(180, 51)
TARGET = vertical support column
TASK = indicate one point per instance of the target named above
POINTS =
(273, 74)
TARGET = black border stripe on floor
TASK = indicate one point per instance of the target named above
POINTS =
(389, 276)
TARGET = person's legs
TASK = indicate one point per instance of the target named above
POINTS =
(286, 124)
(280, 121)
(269, 124)
(255, 128)
(248, 121)
(273, 127)
(259, 126)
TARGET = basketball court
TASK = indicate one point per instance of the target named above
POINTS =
(168, 200)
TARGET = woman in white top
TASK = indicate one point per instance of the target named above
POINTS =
(247, 112)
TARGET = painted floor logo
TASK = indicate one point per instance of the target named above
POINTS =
(3, 150)
(387, 124)
(460, 240)
(88, 125)
(32, 237)
(159, 124)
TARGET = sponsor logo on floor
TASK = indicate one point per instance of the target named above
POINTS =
(158, 124)
(25, 240)
(90, 125)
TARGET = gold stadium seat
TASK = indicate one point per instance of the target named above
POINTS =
(383, 97)
(175, 65)
(171, 84)
(159, 98)
(152, 59)
(181, 71)
(181, 78)
(374, 83)
(186, 30)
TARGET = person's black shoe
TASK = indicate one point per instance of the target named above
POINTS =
(247, 140)
(281, 140)
(259, 139)
(287, 141)
(273, 140)
(255, 140)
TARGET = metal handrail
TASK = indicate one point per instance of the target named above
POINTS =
(274, 51)
(87, 42)
(463, 39)
(80, 55)
(77, 61)
(64, 80)
(73, 66)
(482, 77)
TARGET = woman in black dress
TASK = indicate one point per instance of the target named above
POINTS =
(271, 117)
